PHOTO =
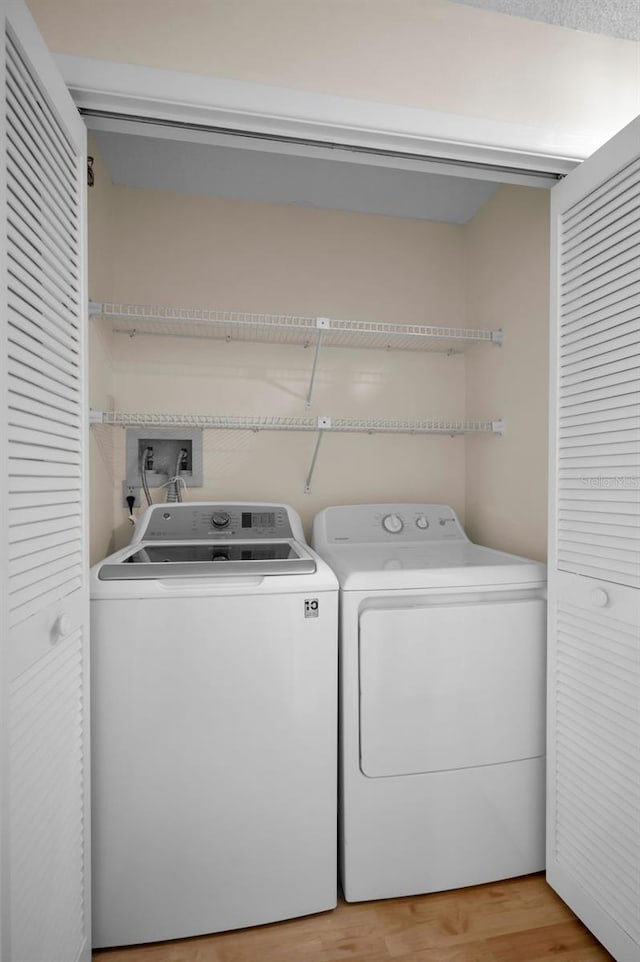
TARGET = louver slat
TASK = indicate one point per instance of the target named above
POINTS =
(20, 155)
(19, 401)
(39, 424)
(48, 122)
(590, 531)
(20, 219)
(626, 310)
(605, 297)
(604, 195)
(601, 332)
(28, 366)
(35, 256)
(621, 382)
(38, 160)
(25, 384)
(23, 199)
(59, 163)
(23, 314)
(588, 370)
(602, 254)
(604, 220)
(590, 407)
(619, 271)
(29, 285)
(52, 360)
(57, 529)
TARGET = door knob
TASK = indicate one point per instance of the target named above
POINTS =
(599, 598)
(61, 626)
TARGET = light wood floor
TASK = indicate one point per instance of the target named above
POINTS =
(521, 920)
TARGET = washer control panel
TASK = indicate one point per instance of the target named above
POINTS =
(384, 523)
(203, 521)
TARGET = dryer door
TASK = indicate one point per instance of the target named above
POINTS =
(451, 686)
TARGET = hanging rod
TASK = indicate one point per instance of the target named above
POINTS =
(447, 163)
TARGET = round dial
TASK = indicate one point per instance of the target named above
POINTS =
(220, 519)
(422, 523)
(392, 523)
(220, 556)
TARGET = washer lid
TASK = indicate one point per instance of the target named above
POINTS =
(434, 565)
(172, 559)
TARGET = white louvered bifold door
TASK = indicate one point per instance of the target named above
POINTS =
(44, 645)
(593, 831)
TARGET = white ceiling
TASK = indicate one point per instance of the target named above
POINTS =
(615, 18)
(211, 169)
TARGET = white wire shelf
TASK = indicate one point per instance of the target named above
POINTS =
(155, 320)
(249, 423)
(321, 425)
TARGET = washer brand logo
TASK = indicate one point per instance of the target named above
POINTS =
(311, 607)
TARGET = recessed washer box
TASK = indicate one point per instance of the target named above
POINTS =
(167, 443)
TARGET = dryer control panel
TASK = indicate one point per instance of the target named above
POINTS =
(384, 523)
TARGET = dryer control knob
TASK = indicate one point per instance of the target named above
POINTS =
(422, 522)
(392, 523)
(220, 519)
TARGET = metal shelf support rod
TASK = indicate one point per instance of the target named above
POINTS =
(322, 323)
(323, 425)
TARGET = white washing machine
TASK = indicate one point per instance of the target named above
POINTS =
(214, 732)
(442, 702)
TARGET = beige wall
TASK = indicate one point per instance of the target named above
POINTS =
(102, 239)
(433, 54)
(181, 250)
(210, 252)
(507, 280)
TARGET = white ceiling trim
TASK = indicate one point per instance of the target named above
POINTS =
(263, 110)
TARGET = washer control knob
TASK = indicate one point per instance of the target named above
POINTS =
(392, 523)
(220, 519)
(599, 598)
(422, 523)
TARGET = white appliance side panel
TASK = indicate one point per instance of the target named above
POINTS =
(448, 687)
(215, 744)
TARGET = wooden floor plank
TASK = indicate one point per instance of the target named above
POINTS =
(520, 920)
(544, 942)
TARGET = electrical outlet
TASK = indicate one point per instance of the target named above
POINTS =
(131, 489)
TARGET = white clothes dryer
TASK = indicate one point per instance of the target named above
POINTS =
(214, 725)
(442, 702)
